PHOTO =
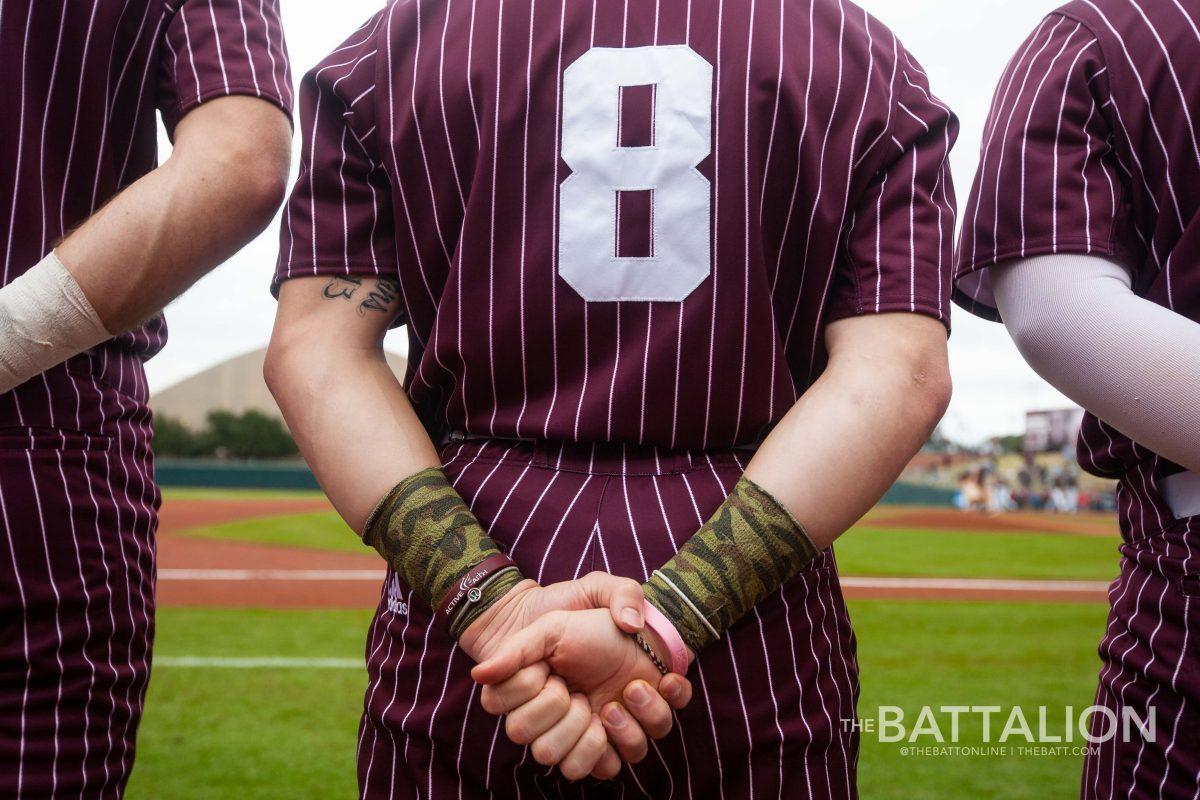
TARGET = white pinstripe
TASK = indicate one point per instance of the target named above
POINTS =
(109, 99)
(187, 38)
(212, 15)
(270, 39)
(145, 550)
(737, 678)
(107, 588)
(246, 45)
(57, 616)
(20, 149)
(1029, 118)
(682, 741)
(87, 719)
(512, 549)
(374, 684)
(62, 208)
(141, 94)
(700, 668)
(1087, 153)
(1184, 101)
(653, 744)
(492, 226)
(1146, 673)
(1150, 117)
(416, 60)
(25, 636)
(820, 188)
(462, 199)
(108, 471)
(395, 689)
(558, 72)
(716, 214)
(399, 187)
(816, 338)
(62, 23)
(586, 344)
(737, 429)
(993, 125)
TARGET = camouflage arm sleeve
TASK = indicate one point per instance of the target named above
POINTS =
(425, 531)
(749, 548)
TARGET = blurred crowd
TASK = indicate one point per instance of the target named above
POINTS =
(1032, 486)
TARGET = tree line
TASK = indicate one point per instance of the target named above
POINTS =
(225, 435)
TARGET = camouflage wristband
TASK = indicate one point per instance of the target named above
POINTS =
(426, 533)
(749, 548)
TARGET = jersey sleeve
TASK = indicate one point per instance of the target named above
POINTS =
(897, 249)
(338, 220)
(217, 48)
(1048, 179)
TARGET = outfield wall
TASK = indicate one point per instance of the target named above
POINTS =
(206, 474)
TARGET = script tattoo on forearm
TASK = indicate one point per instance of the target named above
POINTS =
(381, 297)
(341, 287)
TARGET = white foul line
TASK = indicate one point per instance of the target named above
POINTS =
(977, 584)
(266, 662)
(374, 576)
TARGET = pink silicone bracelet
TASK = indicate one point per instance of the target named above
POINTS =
(666, 631)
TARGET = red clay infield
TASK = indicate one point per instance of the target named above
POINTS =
(209, 572)
(1091, 524)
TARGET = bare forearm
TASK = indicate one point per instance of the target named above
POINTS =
(220, 188)
(846, 441)
(353, 423)
(827, 462)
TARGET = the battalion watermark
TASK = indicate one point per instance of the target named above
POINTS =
(999, 731)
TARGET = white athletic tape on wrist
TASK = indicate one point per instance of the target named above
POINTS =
(45, 318)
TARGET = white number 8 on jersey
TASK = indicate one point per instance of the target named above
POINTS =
(682, 205)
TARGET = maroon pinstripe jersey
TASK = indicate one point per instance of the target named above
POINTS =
(1092, 147)
(82, 83)
(624, 221)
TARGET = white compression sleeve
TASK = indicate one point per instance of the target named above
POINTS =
(45, 318)
(1131, 362)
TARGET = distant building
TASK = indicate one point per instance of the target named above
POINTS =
(235, 385)
(1052, 430)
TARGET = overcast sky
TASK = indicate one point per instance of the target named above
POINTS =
(963, 44)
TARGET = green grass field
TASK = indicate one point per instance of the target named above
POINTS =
(289, 732)
(239, 494)
(321, 530)
(970, 554)
(216, 733)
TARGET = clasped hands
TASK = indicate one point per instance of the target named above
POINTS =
(560, 662)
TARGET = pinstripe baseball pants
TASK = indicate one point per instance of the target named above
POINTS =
(78, 512)
(1151, 666)
(770, 697)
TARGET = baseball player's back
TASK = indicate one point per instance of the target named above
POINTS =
(626, 221)
(618, 231)
(83, 85)
(1092, 148)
